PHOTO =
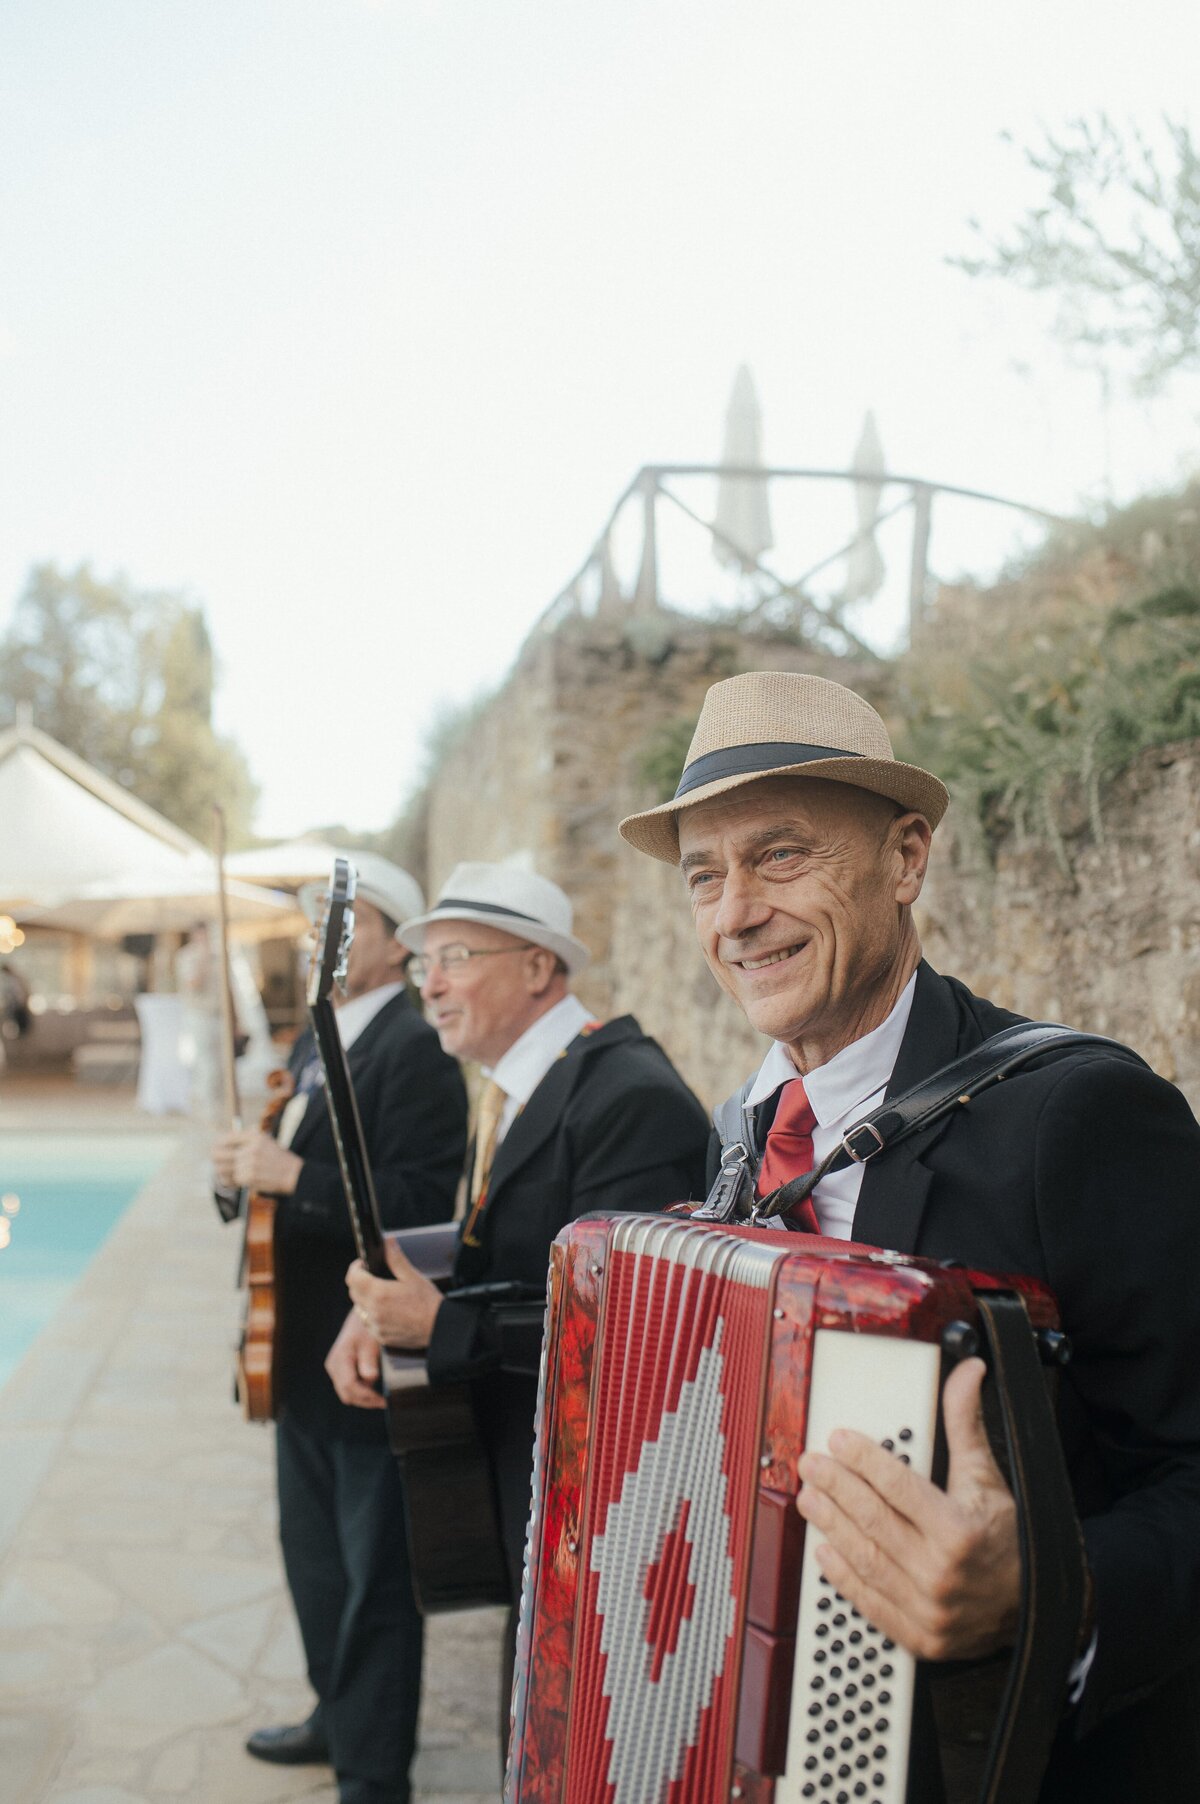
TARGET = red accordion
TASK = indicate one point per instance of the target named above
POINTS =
(678, 1643)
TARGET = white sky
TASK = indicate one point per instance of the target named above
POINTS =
(353, 319)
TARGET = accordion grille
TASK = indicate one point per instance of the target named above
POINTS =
(671, 1481)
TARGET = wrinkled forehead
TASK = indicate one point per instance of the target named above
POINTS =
(758, 810)
(440, 934)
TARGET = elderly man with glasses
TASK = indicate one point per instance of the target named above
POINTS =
(574, 1115)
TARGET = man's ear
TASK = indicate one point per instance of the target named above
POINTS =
(542, 969)
(913, 836)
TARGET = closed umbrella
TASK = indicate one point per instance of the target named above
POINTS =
(865, 569)
(742, 523)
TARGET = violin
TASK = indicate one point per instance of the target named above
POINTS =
(257, 1370)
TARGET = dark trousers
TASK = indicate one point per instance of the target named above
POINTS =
(341, 1520)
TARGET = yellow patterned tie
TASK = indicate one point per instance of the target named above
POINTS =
(487, 1125)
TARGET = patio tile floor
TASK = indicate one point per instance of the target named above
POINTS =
(144, 1626)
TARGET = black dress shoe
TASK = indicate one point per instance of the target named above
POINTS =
(292, 1744)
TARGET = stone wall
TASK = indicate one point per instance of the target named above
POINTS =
(553, 763)
(1113, 947)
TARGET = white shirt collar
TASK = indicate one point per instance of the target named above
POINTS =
(525, 1064)
(357, 1012)
(851, 1077)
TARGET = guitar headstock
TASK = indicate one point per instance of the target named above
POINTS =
(333, 933)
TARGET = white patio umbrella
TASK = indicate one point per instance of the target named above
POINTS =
(166, 902)
(865, 569)
(743, 516)
(290, 864)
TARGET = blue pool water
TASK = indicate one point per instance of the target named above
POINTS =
(59, 1198)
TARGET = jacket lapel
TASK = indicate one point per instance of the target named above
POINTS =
(895, 1187)
(318, 1104)
(544, 1110)
(535, 1123)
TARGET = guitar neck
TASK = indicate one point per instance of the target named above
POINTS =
(348, 1138)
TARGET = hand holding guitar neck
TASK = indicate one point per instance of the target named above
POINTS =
(400, 1310)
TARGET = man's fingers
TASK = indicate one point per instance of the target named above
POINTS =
(368, 1358)
(879, 1610)
(971, 1460)
(362, 1396)
(880, 1545)
(395, 1258)
(878, 1472)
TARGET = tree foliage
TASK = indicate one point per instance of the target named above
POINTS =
(1031, 697)
(125, 678)
(1116, 239)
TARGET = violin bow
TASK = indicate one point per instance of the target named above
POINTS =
(226, 1199)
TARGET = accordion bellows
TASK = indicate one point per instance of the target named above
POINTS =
(678, 1643)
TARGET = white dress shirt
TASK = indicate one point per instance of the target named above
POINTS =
(528, 1059)
(357, 1012)
(841, 1093)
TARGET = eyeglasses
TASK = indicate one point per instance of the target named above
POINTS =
(452, 959)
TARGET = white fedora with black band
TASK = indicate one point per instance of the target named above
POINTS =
(499, 895)
(775, 723)
(392, 891)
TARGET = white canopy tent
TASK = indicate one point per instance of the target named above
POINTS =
(63, 825)
(169, 901)
(80, 855)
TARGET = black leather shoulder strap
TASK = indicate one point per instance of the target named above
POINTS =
(1053, 1564)
(952, 1087)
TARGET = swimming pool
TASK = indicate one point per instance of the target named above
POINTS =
(60, 1195)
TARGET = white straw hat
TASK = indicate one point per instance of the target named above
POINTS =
(499, 895)
(381, 882)
(775, 723)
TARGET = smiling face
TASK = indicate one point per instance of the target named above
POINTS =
(801, 891)
(482, 1007)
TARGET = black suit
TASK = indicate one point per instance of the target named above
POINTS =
(611, 1126)
(340, 1501)
(1084, 1171)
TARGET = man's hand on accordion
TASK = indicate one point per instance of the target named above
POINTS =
(937, 1571)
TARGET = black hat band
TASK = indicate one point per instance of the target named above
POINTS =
(487, 908)
(748, 760)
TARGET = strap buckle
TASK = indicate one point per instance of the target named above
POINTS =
(721, 1203)
(864, 1151)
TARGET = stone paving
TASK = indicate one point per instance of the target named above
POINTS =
(144, 1627)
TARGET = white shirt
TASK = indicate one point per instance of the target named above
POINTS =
(357, 1012)
(841, 1092)
(525, 1064)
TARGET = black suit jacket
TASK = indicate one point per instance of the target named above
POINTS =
(413, 1106)
(611, 1126)
(1084, 1171)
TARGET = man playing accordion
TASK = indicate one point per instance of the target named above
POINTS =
(803, 846)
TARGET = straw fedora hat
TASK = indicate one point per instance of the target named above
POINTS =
(500, 895)
(774, 723)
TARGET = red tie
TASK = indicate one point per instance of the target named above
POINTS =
(789, 1151)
